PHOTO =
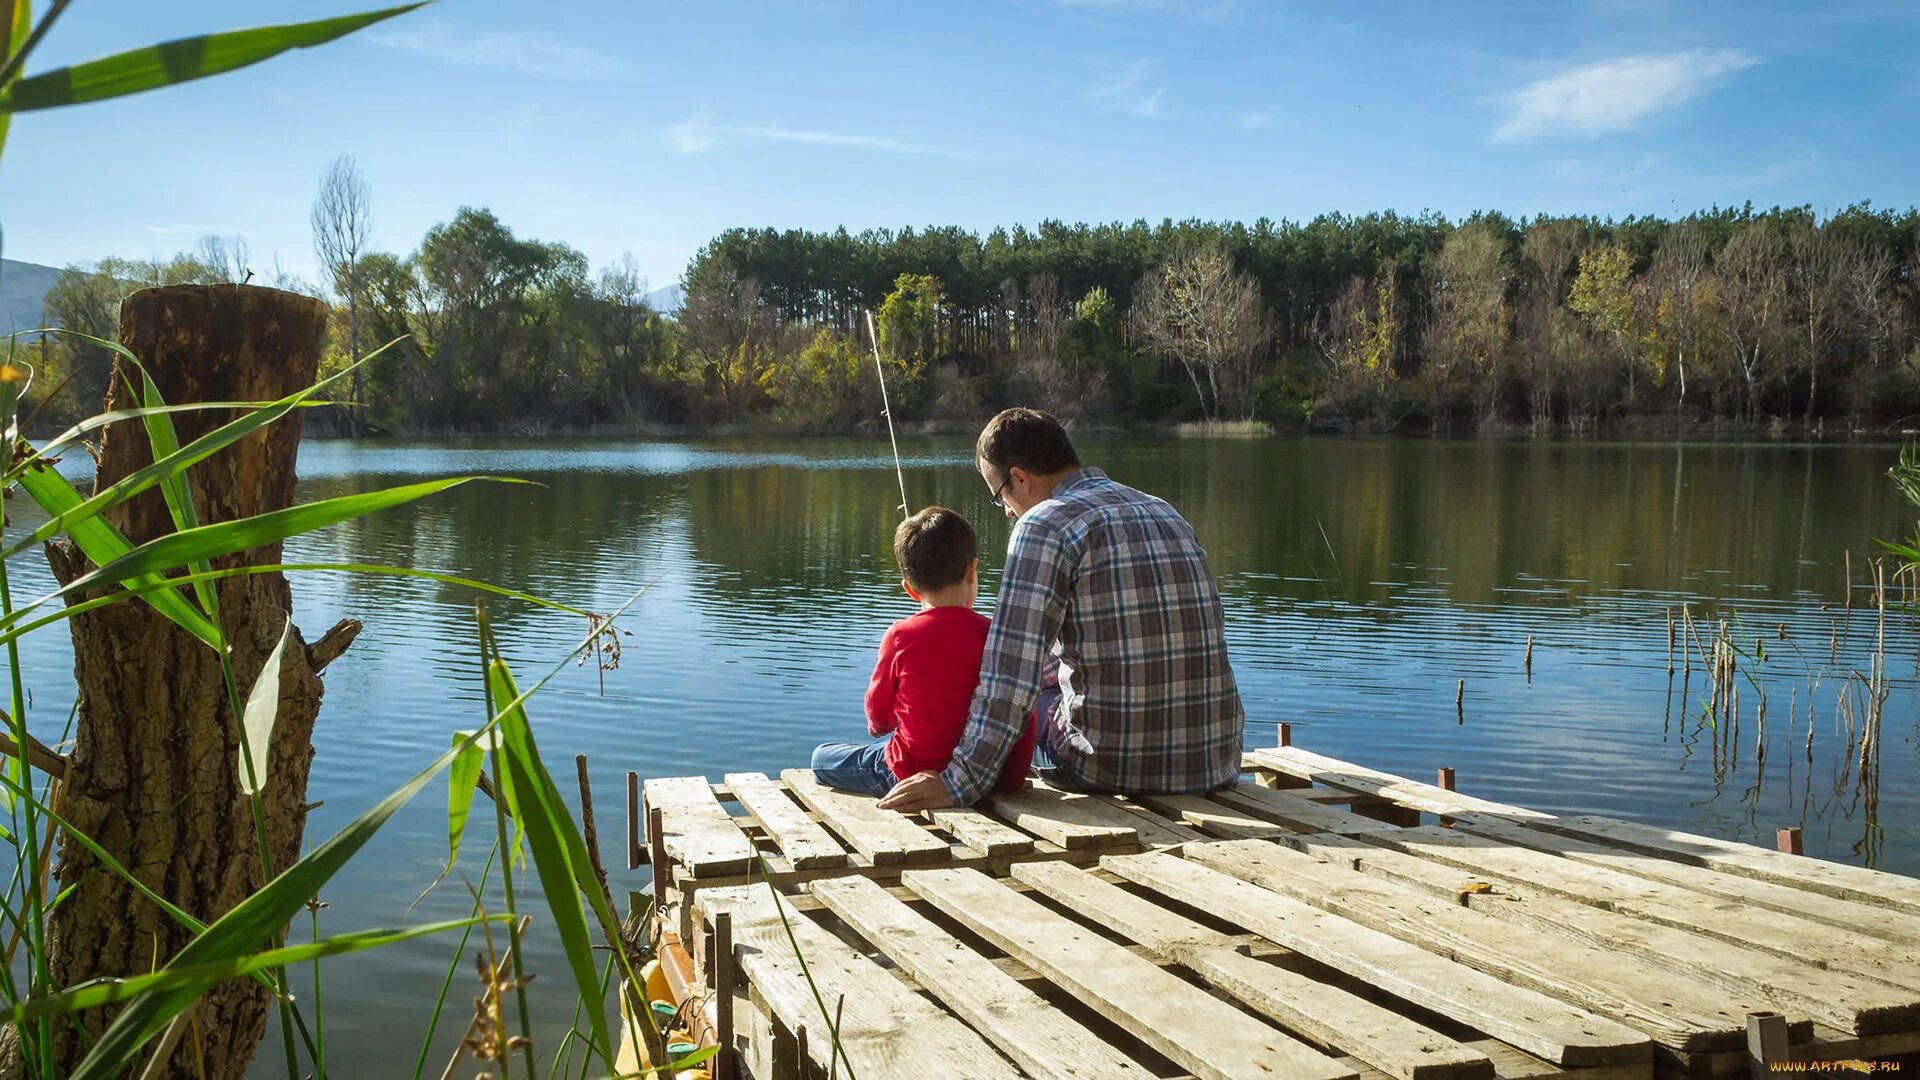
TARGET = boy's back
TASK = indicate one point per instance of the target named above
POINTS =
(922, 686)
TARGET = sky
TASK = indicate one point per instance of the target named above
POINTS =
(647, 128)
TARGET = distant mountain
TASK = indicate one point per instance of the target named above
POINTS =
(667, 301)
(23, 286)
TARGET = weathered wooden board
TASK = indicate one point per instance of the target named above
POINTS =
(698, 833)
(982, 833)
(1324, 1015)
(1644, 996)
(801, 840)
(1072, 821)
(1729, 920)
(885, 1029)
(886, 838)
(1855, 883)
(1332, 772)
(1869, 919)
(1560, 1033)
(1018, 1021)
(1295, 812)
(1213, 818)
(1185, 1023)
(1850, 1004)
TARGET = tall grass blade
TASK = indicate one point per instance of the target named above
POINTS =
(256, 724)
(19, 25)
(184, 60)
(164, 438)
(547, 822)
(173, 464)
(10, 631)
(101, 543)
(245, 534)
(241, 930)
(111, 991)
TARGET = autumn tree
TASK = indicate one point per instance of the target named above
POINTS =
(1468, 317)
(1199, 309)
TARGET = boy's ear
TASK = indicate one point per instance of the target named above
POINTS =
(908, 586)
(973, 568)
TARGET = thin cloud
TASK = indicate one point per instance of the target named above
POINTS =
(1257, 119)
(697, 137)
(1614, 95)
(1127, 92)
(534, 52)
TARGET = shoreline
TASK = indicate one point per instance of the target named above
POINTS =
(1822, 430)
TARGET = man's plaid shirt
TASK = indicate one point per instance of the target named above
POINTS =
(1111, 583)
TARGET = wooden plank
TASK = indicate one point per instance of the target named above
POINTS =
(883, 836)
(1289, 809)
(1790, 936)
(1332, 772)
(1856, 883)
(1850, 915)
(885, 1028)
(803, 843)
(1851, 1004)
(1108, 905)
(1679, 1014)
(1562, 1034)
(981, 833)
(1327, 1016)
(1033, 1033)
(1189, 1026)
(1213, 818)
(1156, 830)
(697, 831)
(1072, 821)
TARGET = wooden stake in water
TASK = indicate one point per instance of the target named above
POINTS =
(886, 410)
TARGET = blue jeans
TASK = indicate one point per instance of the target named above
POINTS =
(860, 767)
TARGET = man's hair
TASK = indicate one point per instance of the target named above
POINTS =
(934, 548)
(1027, 439)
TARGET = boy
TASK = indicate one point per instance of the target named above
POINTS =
(929, 665)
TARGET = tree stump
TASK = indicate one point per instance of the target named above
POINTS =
(155, 766)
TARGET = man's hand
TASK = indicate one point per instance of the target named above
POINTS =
(921, 791)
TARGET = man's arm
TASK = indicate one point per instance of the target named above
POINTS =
(880, 691)
(1026, 620)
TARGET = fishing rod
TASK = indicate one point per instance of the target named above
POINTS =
(886, 410)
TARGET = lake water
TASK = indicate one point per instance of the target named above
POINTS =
(1362, 580)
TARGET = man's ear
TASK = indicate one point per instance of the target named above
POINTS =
(907, 585)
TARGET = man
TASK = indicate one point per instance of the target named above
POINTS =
(1109, 617)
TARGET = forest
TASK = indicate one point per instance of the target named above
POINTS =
(1737, 318)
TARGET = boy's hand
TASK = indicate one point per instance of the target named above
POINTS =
(921, 791)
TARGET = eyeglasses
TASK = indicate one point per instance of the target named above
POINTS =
(997, 500)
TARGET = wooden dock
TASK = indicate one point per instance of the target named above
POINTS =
(1320, 920)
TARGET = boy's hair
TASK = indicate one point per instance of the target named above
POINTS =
(934, 548)
(1026, 438)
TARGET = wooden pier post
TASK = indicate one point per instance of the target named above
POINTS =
(635, 854)
(723, 1062)
(1766, 1042)
(657, 844)
(1446, 778)
(1789, 840)
(1285, 735)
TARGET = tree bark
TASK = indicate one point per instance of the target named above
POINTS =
(155, 775)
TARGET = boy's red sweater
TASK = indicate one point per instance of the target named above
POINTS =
(923, 687)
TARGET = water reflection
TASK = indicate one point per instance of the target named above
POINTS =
(1364, 581)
